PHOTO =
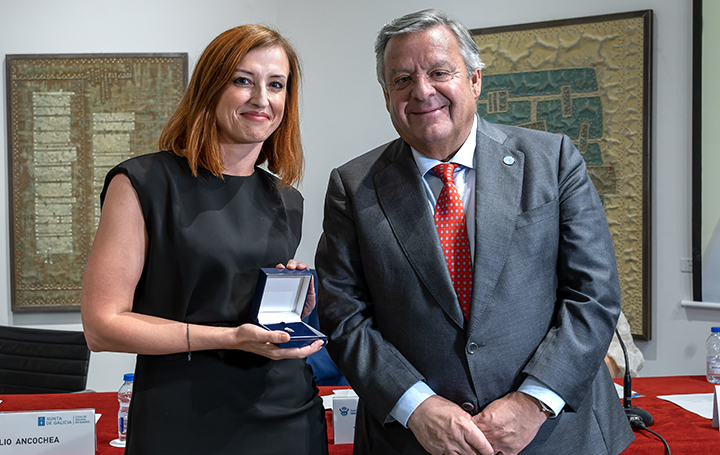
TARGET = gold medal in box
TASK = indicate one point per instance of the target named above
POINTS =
(278, 304)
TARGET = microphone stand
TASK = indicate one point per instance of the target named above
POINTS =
(637, 417)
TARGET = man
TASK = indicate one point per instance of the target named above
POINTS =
(506, 352)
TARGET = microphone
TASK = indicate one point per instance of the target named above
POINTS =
(637, 417)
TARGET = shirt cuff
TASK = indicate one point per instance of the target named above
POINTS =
(537, 389)
(410, 400)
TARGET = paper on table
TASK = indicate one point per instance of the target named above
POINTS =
(698, 403)
(621, 392)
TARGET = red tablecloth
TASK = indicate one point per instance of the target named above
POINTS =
(340, 449)
(687, 433)
(103, 403)
(107, 405)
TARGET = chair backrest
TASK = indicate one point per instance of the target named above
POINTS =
(42, 361)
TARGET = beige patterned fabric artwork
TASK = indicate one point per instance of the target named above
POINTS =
(71, 119)
(585, 80)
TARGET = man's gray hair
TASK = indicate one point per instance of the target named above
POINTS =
(421, 21)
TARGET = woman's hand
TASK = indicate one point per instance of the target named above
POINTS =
(311, 298)
(255, 339)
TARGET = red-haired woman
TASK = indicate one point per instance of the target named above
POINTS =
(173, 268)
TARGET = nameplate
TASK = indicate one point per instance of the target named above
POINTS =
(716, 406)
(67, 432)
(345, 404)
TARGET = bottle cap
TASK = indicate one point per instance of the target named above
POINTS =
(131, 376)
(715, 329)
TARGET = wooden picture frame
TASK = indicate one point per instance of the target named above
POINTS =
(588, 78)
(71, 118)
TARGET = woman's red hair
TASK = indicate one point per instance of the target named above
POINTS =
(192, 130)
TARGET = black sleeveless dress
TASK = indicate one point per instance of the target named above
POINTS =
(207, 239)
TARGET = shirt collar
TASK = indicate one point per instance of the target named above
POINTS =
(464, 156)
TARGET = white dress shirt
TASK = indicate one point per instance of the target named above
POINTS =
(464, 178)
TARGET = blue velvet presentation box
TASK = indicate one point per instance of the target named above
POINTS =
(278, 304)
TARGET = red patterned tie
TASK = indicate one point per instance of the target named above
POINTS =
(450, 223)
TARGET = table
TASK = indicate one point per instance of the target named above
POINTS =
(687, 433)
(103, 403)
(106, 404)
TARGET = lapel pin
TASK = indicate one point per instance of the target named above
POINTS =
(509, 160)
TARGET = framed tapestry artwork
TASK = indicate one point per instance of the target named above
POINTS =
(71, 118)
(588, 78)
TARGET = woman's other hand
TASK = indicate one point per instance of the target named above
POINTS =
(311, 298)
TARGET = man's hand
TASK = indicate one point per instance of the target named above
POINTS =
(511, 422)
(443, 428)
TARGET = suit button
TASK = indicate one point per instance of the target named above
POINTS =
(472, 348)
(467, 406)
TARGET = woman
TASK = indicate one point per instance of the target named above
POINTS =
(182, 236)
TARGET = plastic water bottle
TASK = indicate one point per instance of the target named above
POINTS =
(713, 356)
(124, 396)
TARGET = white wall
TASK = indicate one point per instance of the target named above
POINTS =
(101, 26)
(711, 118)
(344, 115)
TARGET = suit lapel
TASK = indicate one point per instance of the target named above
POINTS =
(498, 189)
(401, 194)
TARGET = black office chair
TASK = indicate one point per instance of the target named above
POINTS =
(42, 361)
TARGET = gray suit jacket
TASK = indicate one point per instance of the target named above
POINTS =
(545, 294)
